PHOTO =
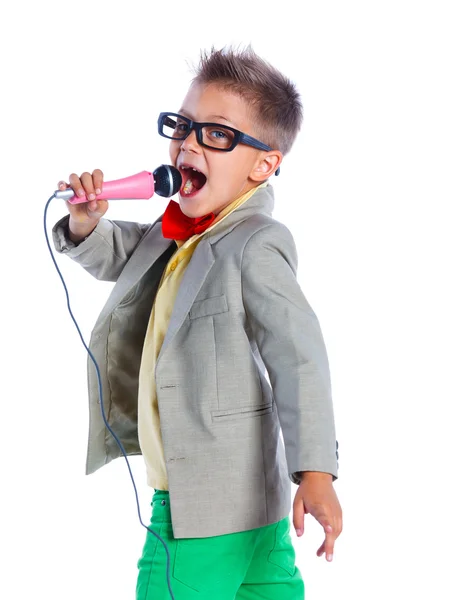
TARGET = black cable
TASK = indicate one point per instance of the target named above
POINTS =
(100, 396)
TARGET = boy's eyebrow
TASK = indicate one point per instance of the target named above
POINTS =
(220, 117)
(185, 112)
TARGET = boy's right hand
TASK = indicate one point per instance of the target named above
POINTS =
(85, 216)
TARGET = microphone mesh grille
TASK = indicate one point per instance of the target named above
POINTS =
(163, 178)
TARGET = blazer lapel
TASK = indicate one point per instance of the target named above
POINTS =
(193, 279)
(203, 259)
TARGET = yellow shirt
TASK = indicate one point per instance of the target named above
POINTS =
(149, 432)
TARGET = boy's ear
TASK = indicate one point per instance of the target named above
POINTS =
(266, 166)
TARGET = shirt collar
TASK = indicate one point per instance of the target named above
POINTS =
(222, 215)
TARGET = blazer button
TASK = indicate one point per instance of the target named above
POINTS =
(163, 502)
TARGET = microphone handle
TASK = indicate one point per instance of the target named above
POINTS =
(139, 186)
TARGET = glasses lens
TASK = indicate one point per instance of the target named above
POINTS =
(216, 136)
(174, 127)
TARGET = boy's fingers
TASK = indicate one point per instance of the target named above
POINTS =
(88, 185)
(321, 550)
(98, 178)
(298, 517)
(329, 543)
(75, 184)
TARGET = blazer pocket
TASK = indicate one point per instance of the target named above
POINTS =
(208, 307)
(241, 413)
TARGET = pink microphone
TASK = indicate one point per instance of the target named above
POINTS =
(164, 181)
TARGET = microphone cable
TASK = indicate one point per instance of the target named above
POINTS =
(100, 396)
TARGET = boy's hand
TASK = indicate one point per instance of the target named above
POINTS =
(85, 216)
(316, 496)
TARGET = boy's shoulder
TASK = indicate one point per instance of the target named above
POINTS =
(263, 226)
(258, 233)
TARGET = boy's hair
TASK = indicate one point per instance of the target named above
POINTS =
(277, 111)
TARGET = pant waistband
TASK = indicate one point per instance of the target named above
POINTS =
(161, 507)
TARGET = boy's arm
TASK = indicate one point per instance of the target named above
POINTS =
(106, 250)
(290, 342)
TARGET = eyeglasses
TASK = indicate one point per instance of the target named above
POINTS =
(209, 135)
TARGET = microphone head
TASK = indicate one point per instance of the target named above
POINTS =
(167, 181)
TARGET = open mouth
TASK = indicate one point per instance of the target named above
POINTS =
(193, 181)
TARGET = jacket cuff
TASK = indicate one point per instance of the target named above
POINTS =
(63, 245)
(296, 478)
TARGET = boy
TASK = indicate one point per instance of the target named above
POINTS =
(206, 299)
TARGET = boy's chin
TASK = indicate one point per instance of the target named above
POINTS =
(194, 205)
(200, 204)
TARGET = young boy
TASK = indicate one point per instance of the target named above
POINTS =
(207, 347)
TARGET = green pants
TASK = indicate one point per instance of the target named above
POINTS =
(258, 564)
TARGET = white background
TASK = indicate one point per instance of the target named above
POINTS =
(373, 192)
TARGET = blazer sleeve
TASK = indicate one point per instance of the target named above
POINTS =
(106, 250)
(291, 345)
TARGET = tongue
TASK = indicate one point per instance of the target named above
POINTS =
(198, 179)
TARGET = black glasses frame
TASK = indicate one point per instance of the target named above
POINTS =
(239, 136)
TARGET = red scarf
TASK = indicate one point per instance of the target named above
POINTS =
(177, 226)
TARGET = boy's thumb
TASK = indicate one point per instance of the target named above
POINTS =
(97, 208)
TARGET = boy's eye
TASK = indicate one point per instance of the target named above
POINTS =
(181, 127)
(218, 137)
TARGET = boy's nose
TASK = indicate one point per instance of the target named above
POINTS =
(190, 142)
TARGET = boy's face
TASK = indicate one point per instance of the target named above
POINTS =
(229, 174)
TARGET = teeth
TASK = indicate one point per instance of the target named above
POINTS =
(186, 168)
(188, 187)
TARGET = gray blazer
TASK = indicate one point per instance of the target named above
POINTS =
(242, 357)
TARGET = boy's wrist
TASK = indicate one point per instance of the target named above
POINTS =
(77, 232)
(315, 475)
